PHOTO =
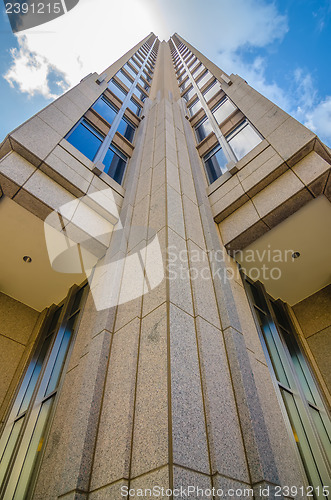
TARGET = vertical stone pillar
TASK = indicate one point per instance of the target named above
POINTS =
(167, 387)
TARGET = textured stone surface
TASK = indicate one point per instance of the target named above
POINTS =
(157, 478)
(184, 478)
(18, 319)
(116, 420)
(86, 409)
(111, 492)
(16, 168)
(310, 167)
(320, 345)
(238, 222)
(283, 188)
(226, 488)
(37, 137)
(179, 282)
(202, 285)
(175, 211)
(225, 440)
(257, 442)
(150, 436)
(47, 190)
(193, 225)
(10, 356)
(188, 421)
(314, 312)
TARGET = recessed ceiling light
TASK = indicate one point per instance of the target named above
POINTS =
(295, 255)
(27, 259)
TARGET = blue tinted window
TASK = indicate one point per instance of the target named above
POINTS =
(195, 107)
(243, 139)
(144, 85)
(203, 129)
(124, 79)
(86, 139)
(126, 129)
(148, 78)
(134, 63)
(139, 94)
(134, 107)
(215, 163)
(115, 163)
(130, 70)
(105, 109)
(188, 95)
(117, 90)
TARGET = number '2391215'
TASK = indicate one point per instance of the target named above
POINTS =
(26, 14)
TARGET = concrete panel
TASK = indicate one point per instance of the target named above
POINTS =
(188, 422)
(113, 447)
(225, 440)
(38, 137)
(16, 168)
(150, 436)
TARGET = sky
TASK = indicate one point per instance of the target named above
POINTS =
(281, 48)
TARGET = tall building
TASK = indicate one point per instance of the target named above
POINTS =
(165, 296)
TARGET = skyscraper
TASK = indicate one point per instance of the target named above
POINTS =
(165, 293)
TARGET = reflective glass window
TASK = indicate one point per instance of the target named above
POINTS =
(24, 434)
(124, 78)
(188, 95)
(223, 110)
(105, 109)
(134, 107)
(185, 85)
(198, 71)
(203, 129)
(215, 164)
(243, 139)
(134, 63)
(86, 139)
(144, 84)
(126, 129)
(139, 94)
(195, 107)
(115, 162)
(202, 81)
(192, 62)
(211, 91)
(117, 90)
(146, 75)
(130, 71)
(293, 378)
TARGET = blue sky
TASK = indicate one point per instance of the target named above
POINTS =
(281, 48)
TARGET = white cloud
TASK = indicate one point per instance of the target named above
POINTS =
(318, 119)
(88, 38)
(32, 71)
(97, 32)
(94, 34)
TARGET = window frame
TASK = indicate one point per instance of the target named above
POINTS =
(295, 388)
(80, 122)
(16, 463)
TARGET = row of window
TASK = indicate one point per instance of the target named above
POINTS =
(242, 139)
(297, 389)
(87, 139)
(136, 76)
(24, 434)
(26, 430)
(298, 392)
(236, 144)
